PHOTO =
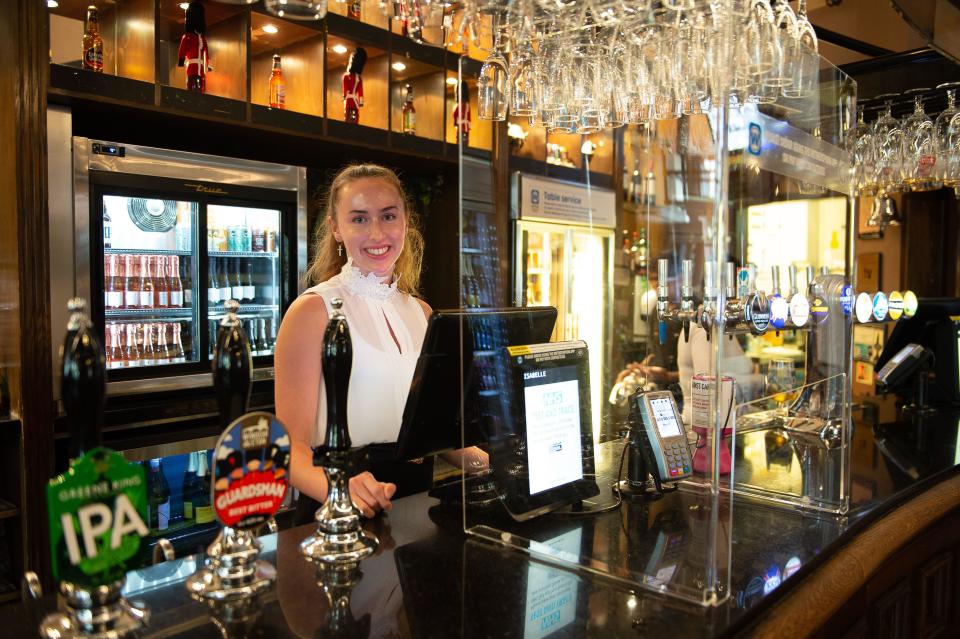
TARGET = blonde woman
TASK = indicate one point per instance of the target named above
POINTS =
(369, 253)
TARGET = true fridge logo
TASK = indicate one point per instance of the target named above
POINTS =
(200, 188)
(755, 139)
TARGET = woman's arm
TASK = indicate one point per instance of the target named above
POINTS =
(297, 359)
(299, 373)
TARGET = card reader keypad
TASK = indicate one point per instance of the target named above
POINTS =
(677, 454)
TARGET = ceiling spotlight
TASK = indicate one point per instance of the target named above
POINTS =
(52, 4)
(398, 66)
(452, 81)
(270, 28)
(339, 48)
(184, 5)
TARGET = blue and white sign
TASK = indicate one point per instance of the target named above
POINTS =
(779, 310)
(846, 299)
(544, 199)
(880, 306)
(755, 139)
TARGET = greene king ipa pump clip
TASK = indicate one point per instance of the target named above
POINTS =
(97, 511)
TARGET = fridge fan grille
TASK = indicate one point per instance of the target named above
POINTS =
(157, 216)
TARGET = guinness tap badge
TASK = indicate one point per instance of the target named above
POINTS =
(758, 313)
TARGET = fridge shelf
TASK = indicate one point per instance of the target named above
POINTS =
(245, 309)
(134, 251)
(242, 254)
(150, 313)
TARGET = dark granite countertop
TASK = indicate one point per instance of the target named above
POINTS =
(429, 579)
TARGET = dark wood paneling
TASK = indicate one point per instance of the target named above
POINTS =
(26, 48)
(891, 615)
(931, 248)
(935, 592)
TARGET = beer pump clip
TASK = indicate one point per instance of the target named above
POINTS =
(340, 541)
(250, 476)
(97, 510)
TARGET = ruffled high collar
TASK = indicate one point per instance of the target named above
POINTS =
(370, 285)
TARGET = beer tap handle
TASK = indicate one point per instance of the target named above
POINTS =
(809, 277)
(730, 280)
(792, 278)
(663, 298)
(232, 366)
(337, 362)
(82, 383)
(710, 292)
(775, 276)
(686, 295)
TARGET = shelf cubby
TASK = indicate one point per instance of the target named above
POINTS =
(301, 54)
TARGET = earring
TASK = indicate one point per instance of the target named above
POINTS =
(340, 250)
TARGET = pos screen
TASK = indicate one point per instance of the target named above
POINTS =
(541, 455)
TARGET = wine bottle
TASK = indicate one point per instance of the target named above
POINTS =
(175, 285)
(213, 287)
(176, 344)
(158, 498)
(236, 287)
(223, 282)
(186, 277)
(249, 291)
(202, 509)
(161, 282)
(147, 298)
(190, 485)
(131, 282)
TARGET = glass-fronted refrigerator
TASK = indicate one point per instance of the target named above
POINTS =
(162, 239)
(563, 257)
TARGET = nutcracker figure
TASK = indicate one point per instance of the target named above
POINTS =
(461, 113)
(193, 48)
(352, 86)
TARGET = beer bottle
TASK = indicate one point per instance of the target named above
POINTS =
(174, 285)
(278, 86)
(409, 113)
(147, 298)
(158, 499)
(93, 43)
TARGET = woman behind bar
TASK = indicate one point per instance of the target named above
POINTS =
(368, 253)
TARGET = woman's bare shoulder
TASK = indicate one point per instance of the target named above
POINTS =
(427, 311)
(307, 313)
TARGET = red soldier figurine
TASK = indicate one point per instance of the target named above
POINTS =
(193, 48)
(461, 113)
(352, 86)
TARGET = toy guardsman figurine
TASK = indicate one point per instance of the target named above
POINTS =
(461, 113)
(193, 48)
(352, 86)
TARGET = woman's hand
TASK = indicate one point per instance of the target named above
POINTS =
(369, 495)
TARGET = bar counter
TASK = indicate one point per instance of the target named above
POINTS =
(428, 579)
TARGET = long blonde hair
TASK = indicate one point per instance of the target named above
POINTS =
(327, 261)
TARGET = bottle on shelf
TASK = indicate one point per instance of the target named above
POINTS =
(107, 229)
(183, 226)
(186, 278)
(270, 240)
(257, 240)
(174, 284)
(147, 299)
(131, 282)
(162, 347)
(261, 340)
(162, 282)
(131, 354)
(191, 485)
(249, 290)
(158, 498)
(112, 284)
(146, 341)
(236, 286)
(409, 113)
(223, 282)
(176, 352)
(213, 286)
(115, 357)
(202, 509)
(92, 42)
(278, 86)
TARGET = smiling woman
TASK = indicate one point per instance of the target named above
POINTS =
(369, 254)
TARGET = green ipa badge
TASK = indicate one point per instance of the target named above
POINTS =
(97, 512)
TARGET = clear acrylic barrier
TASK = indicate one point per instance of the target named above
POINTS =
(636, 265)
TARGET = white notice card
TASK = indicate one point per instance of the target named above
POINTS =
(553, 434)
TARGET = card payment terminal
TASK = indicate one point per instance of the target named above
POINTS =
(656, 415)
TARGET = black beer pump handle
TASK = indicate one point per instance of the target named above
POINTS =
(232, 366)
(337, 362)
(82, 383)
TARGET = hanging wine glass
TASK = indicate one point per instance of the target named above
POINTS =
(523, 76)
(859, 144)
(296, 9)
(887, 147)
(492, 87)
(942, 133)
(918, 149)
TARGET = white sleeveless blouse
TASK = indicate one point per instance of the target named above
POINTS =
(381, 373)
